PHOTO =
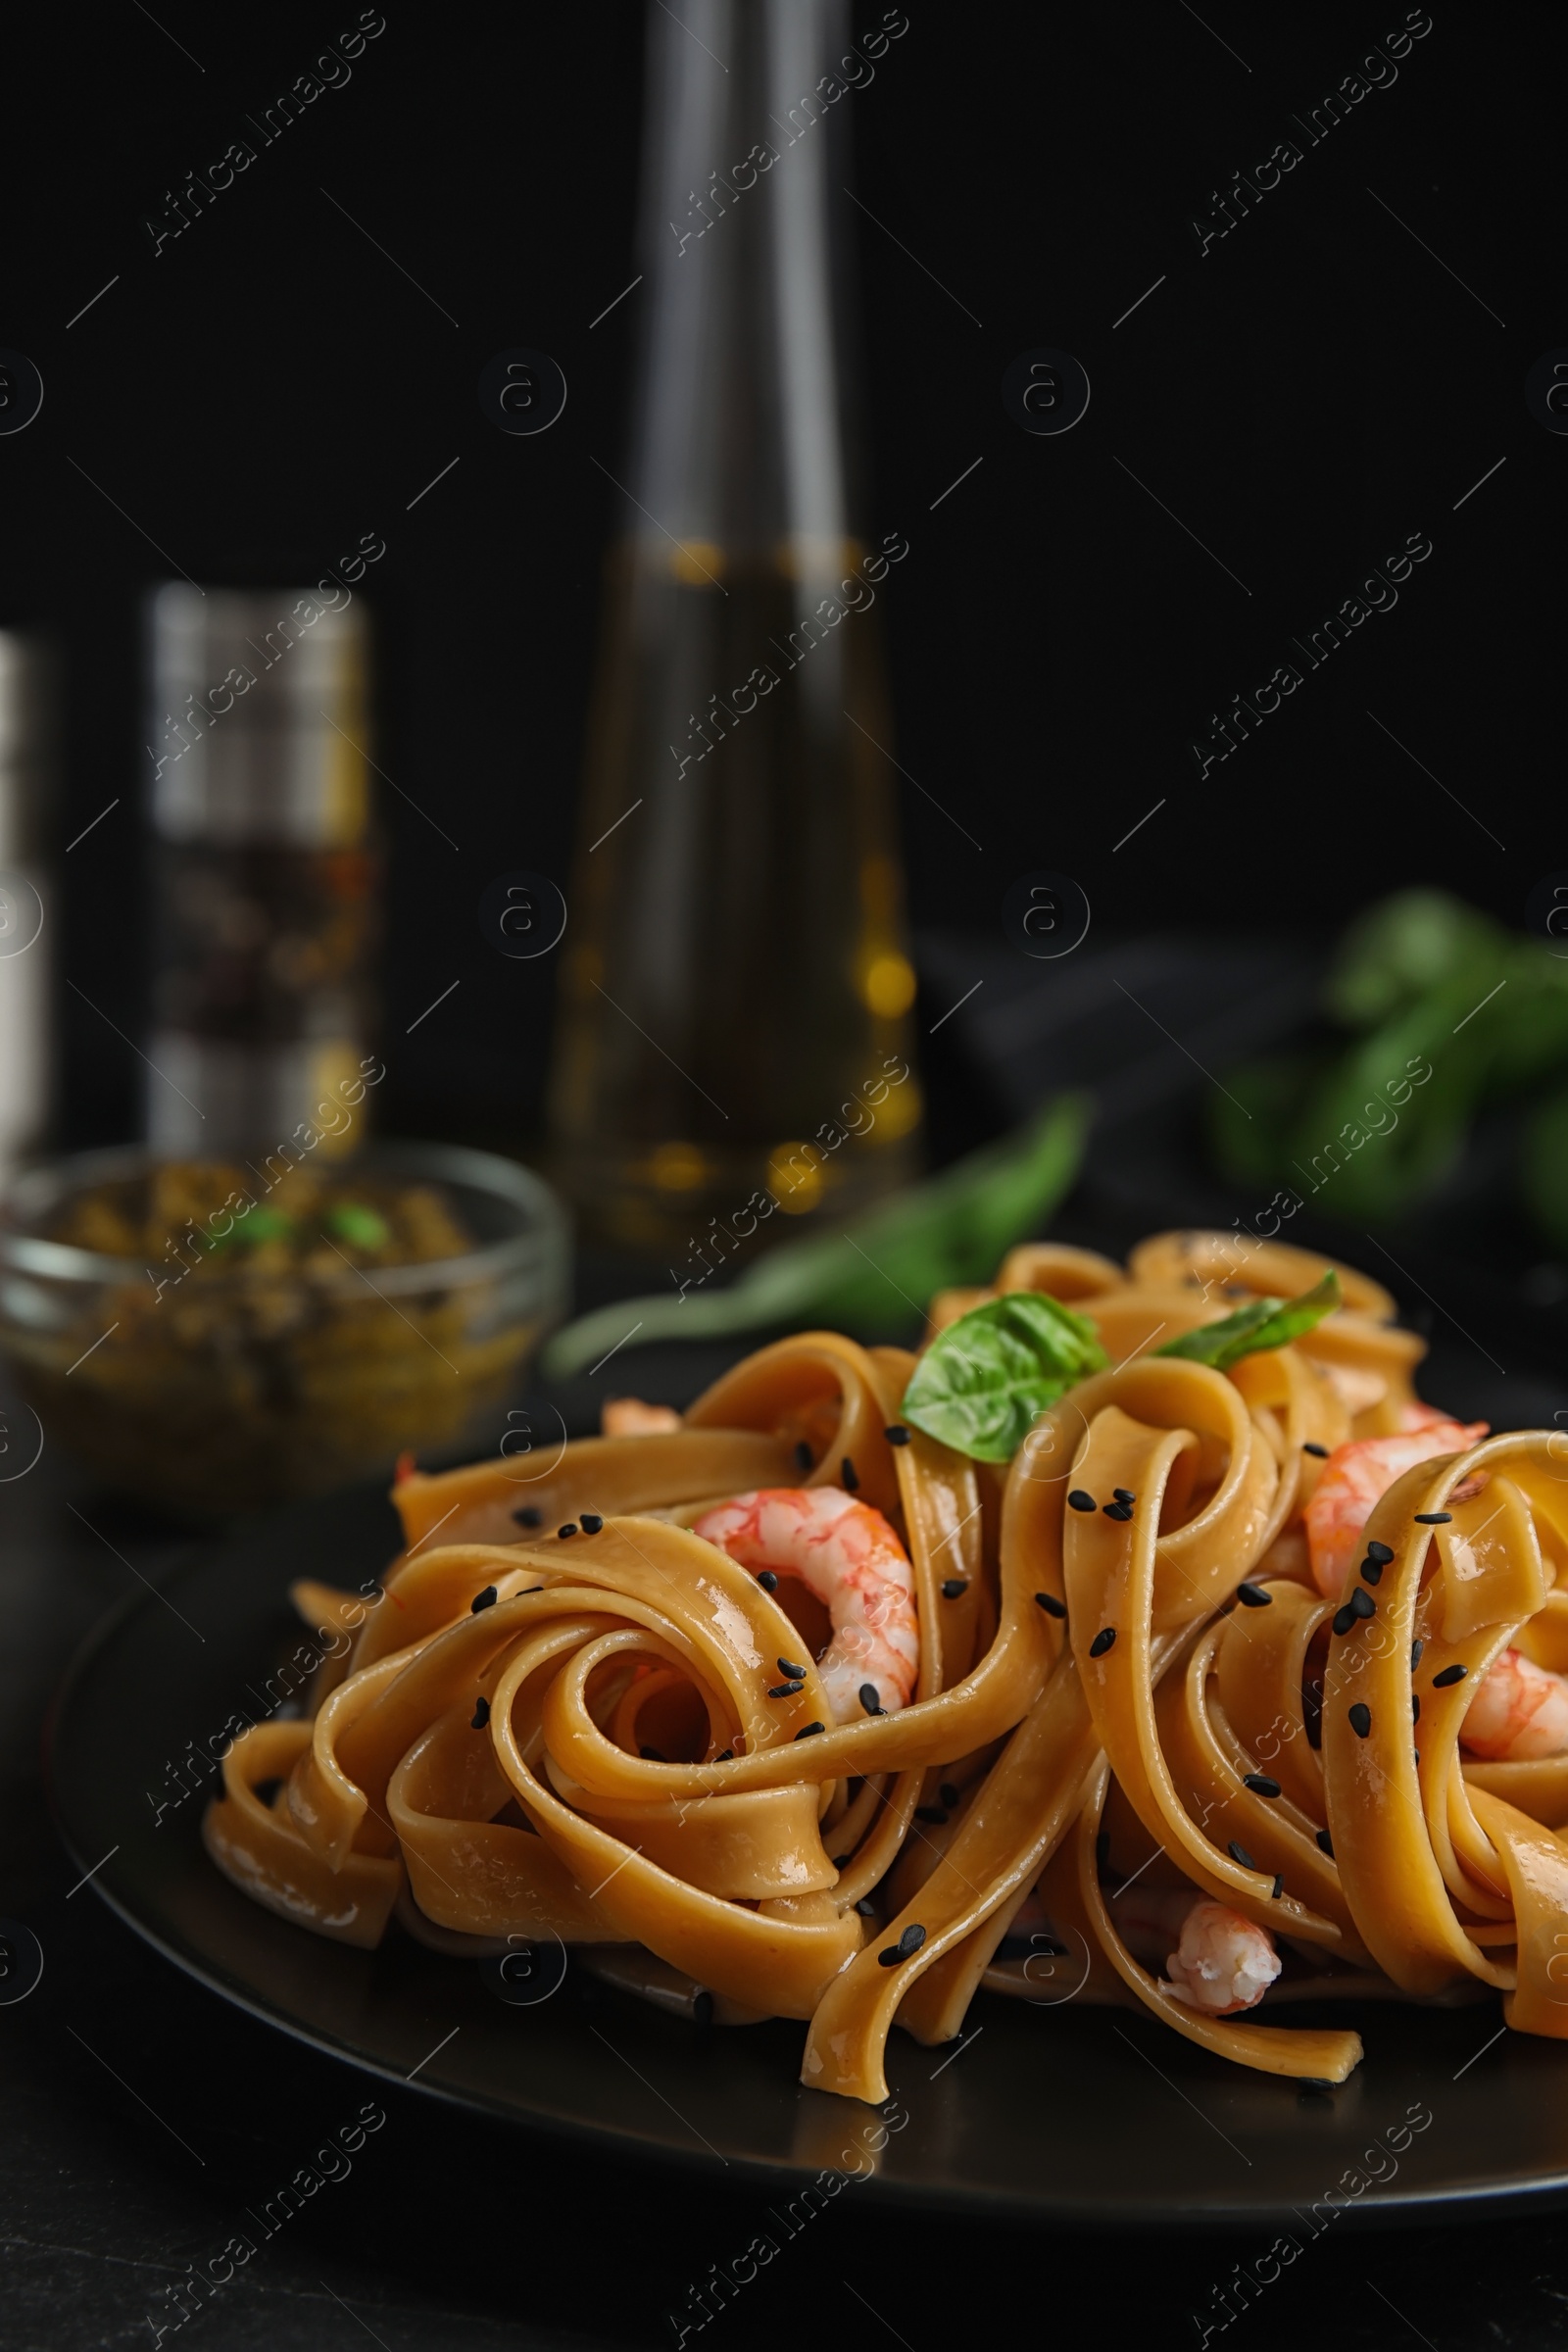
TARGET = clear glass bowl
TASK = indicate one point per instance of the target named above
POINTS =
(230, 1395)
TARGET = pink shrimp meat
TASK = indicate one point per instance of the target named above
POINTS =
(1222, 1963)
(846, 1555)
(1519, 1710)
(1358, 1475)
(629, 1417)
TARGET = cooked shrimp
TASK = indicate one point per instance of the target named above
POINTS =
(847, 1556)
(1519, 1710)
(629, 1417)
(1358, 1475)
(1222, 1962)
(1416, 1415)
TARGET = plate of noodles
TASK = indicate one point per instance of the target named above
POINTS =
(1105, 1764)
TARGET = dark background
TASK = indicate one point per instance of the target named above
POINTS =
(271, 387)
(1303, 397)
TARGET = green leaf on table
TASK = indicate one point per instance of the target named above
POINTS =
(876, 1275)
(1397, 951)
(983, 1382)
(1260, 1323)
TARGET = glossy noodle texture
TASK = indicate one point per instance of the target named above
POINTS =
(616, 1734)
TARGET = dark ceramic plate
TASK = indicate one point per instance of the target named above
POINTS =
(1057, 2112)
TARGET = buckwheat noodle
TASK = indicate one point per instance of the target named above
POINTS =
(584, 1735)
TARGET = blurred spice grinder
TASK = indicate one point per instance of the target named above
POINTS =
(25, 778)
(266, 876)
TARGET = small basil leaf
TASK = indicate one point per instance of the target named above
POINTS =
(1260, 1323)
(983, 1382)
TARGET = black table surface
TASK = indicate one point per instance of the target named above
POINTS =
(142, 2116)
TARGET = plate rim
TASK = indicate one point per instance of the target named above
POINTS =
(1474, 2202)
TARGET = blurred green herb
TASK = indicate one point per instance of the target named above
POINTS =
(984, 1381)
(360, 1227)
(257, 1225)
(1260, 1323)
(1449, 1011)
(1544, 1171)
(878, 1274)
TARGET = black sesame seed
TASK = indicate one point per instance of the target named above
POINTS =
(890, 1957)
(1449, 1677)
(1239, 1853)
(1102, 1642)
(1416, 1753)
(529, 1517)
(1119, 1511)
(1362, 1603)
(929, 1813)
(865, 1907)
(898, 1435)
(1050, 1604)
(805, 1458)
(1124, 1495)
(1262, 1784)
(910, 1942)
(953, 1585)
(849, 1479)
(1372, 1570)
(1343, 1619)
(481, 1716)
(1416, 1647)
(591, 1523)
(1080, 1502)
(810, 1731)
(1433, 1518)
(767, 1580)
(870, 1698)
(1415, 1706)
(1321, 1451)
(482, 1600)
(1379, 1552)
(651, 1755)
(786, 1689)
(948, 1793)
(1278, 1889)
(1252, 1596)
(1360, 1719)
(1326, 1842)
(791, 1673)
(570, 1527)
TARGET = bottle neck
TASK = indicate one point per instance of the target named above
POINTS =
(740, 445)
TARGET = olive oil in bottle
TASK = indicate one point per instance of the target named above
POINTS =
(736, 985)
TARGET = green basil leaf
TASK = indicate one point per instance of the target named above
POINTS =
(984, 1381)
(1260, 1323)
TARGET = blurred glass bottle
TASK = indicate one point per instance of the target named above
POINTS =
(266, 875)
(26, 780)
(736, 974)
